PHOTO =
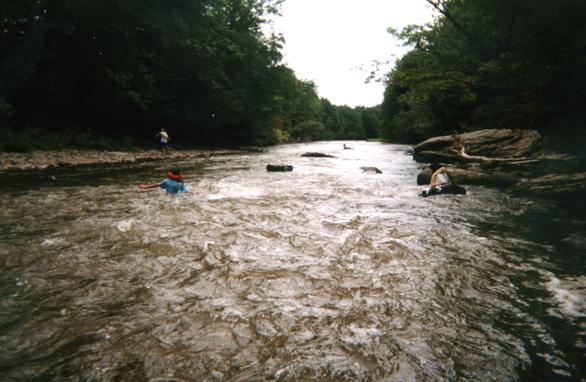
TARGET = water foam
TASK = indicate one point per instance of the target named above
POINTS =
(569, 294)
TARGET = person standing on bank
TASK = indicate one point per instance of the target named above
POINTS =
(163, 141)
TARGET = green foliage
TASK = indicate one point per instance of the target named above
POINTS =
(344, 122)
(26, 140)
(487, 64)
(310, 131)
(281, 136)
(6, 111)
(202, 69)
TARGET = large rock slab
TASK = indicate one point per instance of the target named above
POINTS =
(490, 143)
(316, 155)
(511, 159)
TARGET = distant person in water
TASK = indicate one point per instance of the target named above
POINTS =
(163, 141)
(172, 184)
(347, 147)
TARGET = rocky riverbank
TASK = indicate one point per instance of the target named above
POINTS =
(40, 160)
(514, 160)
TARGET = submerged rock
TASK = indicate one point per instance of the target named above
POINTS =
(577, 239)
(371, 170)
(317, 155)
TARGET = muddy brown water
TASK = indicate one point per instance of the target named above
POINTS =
(325, 273)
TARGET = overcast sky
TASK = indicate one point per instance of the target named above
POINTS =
(334, 42)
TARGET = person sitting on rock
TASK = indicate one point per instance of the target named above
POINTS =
(441, 182)
(172, 184)
(439, 177)
(164, 141)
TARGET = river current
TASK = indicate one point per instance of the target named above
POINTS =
(325, 273)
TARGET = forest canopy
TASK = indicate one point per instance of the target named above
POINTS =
(488, 64)
(203, 69)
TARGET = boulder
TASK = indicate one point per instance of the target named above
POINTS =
(481, 145)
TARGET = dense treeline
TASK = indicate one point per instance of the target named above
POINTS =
(488, 64)
(203, 69)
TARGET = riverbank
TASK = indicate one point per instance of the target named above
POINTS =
(521, 161)
(41, 160)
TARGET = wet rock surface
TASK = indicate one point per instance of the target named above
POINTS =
(511, 159)
(40, 160)
(490, 143)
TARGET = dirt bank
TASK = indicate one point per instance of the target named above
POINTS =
(40, 160)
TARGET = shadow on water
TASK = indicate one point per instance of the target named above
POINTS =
(324, 273)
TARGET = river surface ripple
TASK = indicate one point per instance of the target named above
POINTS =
(325, 273)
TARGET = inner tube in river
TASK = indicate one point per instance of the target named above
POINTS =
(450, 189)
(279, 167)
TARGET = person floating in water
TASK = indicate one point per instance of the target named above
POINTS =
(441, 182)
(172, 184)
(347, 147)
(163, 141)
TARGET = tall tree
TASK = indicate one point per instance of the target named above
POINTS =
(487, 63)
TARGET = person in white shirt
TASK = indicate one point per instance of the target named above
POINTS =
(439, 177)
(163, 141)
(441, 182)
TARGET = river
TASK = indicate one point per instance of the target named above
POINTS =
(325, 273)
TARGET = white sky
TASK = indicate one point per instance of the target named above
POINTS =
(329, 41)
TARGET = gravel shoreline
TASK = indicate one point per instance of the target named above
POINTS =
(41, 160)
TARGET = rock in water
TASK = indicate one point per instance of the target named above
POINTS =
(371, 170)
(279, 167)
(317, 155)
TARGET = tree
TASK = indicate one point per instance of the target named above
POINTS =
(487, 63)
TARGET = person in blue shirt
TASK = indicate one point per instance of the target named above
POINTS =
(172, 184)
